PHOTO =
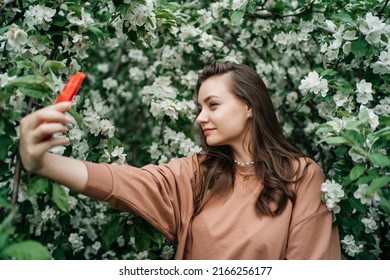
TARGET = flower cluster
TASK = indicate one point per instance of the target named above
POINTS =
(350, 246)
(314, 83)
(175, 144)
(332, 195)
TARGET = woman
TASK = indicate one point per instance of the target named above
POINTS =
(249, 195)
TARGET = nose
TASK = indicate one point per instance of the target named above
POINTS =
(202, 117)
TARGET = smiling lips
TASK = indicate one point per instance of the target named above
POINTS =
(207, 130)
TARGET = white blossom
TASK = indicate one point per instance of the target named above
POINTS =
(39, 16)
(341, 98)
(373, 28)
(84, 21)
(372, 118)
(103, 67)
(350, 246)
(360, 194)
(167, 253)
(76, 241)
(364, 92)
(314, 83)
(383, 65)
(136, 74)
(332, 194)
(370, 224)
(17, 39)
(238, 4)
(48, 214)
(383, 108)
(106, 128)
(142, 255)
(5, 79)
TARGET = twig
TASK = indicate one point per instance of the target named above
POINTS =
(383, 8)
(3, 6)
(18, 168)
(118, 60)
(15, 187)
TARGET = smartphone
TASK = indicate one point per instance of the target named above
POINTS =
(71, 87)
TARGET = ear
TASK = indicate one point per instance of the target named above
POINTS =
(249, 111)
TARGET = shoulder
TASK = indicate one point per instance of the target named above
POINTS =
(305, 166)
(308, 175)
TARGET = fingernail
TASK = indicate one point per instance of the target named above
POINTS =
(66, 104)
(69, 118)
(70, 125)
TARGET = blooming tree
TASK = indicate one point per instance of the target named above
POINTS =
(326, 64)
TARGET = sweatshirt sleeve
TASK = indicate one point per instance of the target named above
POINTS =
(312, 235)
(162, 195)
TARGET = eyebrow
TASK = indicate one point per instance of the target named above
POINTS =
(208, 98)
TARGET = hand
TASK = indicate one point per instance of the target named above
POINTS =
(36, 130)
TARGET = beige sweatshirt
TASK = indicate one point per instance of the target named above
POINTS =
(229, 227)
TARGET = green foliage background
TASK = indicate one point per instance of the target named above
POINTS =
(136, 107)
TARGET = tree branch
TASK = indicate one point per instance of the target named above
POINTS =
(118, 59)
(15, 187)
(383, 8)
(18, 168)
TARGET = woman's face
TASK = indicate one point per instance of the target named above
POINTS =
(223, 117)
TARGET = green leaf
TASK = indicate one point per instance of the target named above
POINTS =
(384, 38)
(38, 185)
(379, 159)
(324, 128)
(24, 63)
(356, 172)
(6, 222)
(5, 235)
(277, 8)
(344, 17)
(376, 184)
(60, 197)
(359, 47)
(76, 116)
(112, 231)
(328, 72)
(383, 132)
(353, 136)
(52, 65)
(365, 179)
(236, 16)
(40, 59)
(5, 93)
(26, 250)
(385, 204)
(96, 31)
(34, 93)
(334, 140)
(4, 201)
(355, 204)
(6, 142)
(27, 81)
(142, 240)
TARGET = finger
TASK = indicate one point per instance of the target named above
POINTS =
(43, 147)
(52, 113)
(47, 129)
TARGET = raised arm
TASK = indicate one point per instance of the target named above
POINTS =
(35, 142)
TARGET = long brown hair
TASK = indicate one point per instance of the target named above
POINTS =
(273, 155)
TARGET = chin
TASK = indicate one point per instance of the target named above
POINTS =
(214, 143)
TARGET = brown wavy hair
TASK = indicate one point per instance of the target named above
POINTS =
(275, 159)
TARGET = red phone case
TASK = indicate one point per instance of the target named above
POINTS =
(71, 87)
